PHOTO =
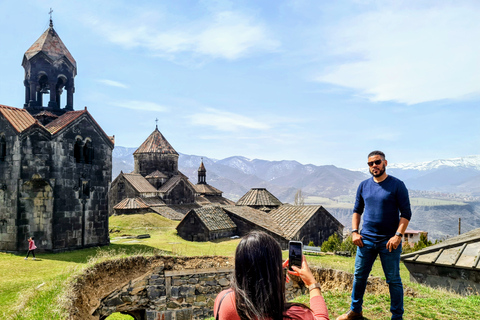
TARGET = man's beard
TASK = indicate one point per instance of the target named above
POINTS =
(379, 174)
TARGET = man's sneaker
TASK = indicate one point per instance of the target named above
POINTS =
(34, 258)
(351, 315)
(26, 258)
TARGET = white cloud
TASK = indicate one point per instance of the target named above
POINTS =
(140, 105)
(226, 121)
(227, 35)
(113, 83)
(409, 55)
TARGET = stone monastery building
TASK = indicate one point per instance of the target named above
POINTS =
(157, 185)
(55, 163)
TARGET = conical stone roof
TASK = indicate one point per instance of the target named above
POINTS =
(156, 143)
(50, 44)
(258, 197)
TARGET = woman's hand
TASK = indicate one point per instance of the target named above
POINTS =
(304, 272)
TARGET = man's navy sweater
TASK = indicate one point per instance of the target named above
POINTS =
(380, 205)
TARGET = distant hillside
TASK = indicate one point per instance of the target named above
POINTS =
(236, 175)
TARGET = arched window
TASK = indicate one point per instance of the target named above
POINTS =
(88, 151)
(78, 151)
(3, 148)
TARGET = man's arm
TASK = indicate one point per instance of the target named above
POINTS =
(395, 241)
(356, 237)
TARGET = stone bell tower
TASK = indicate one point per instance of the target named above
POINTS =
(50, 70)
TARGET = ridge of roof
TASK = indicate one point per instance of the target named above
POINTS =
(50, 44)
(156, 143)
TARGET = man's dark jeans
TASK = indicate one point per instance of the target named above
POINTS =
(364, 260)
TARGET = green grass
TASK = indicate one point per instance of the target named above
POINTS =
(37, 289)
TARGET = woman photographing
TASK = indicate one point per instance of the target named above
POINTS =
(258, 285)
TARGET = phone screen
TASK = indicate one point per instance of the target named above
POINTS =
(295, 254)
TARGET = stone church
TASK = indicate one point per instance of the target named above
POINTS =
(157, 185)
(55, 163)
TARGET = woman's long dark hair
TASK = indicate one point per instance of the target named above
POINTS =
(259, 282)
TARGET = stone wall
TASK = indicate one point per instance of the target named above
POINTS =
(48, 194)
(163, 294)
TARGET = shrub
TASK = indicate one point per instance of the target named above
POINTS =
(332, 244)
(347, 245)
(311, 244)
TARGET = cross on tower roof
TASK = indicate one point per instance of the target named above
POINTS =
(50, 13)
(156, 123)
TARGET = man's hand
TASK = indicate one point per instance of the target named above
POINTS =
(393, 243)
(357, 239)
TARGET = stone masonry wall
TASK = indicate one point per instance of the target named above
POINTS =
(188, 294)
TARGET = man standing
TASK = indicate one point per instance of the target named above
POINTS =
(383, 201)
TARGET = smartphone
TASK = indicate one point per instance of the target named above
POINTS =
(295, 249)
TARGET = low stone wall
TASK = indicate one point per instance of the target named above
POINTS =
(188, 294)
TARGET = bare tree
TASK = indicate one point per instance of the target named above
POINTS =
(299, 199)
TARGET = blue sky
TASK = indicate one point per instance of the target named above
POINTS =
(321, 82)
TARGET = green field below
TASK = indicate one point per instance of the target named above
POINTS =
(38, 289)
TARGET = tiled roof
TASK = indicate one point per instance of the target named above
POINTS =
(64, 120)
(20, 119)
(170, 184)
(156, 143)
(50, 44)
(156, 174)
(174, 212)
(292, 218)
(131, 203)
(462, 251)
(258, 197)
(257, 217)
(214, 218)
(153, 202)
(207, 189)
(139, 183)
(213, 200)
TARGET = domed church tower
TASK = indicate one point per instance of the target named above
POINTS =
(49, 69)
(156, 154)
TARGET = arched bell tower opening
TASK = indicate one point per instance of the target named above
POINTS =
(50, 70)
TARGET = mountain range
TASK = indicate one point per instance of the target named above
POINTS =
(236, 175)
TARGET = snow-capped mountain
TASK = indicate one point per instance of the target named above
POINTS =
(472, 162)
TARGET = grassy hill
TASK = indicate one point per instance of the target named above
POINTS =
(37, 289)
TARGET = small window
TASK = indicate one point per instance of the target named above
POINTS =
(78, 151)
(3, 148)
(88, 152)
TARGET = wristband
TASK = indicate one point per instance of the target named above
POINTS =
(398, 234)
(355, 230)
(313, 286)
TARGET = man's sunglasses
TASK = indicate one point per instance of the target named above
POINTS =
(376, 162)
